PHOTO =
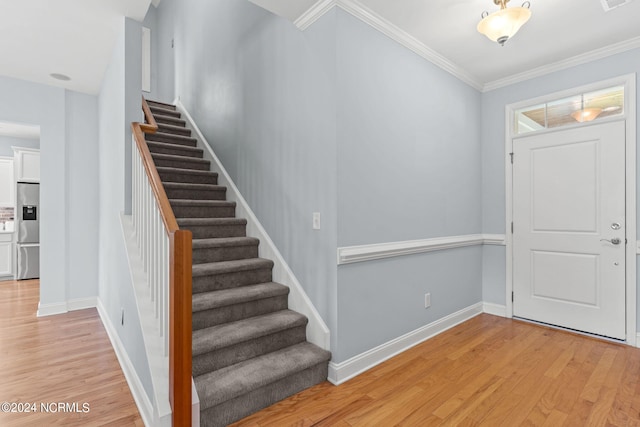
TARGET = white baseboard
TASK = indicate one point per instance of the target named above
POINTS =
(64, 307)
(51, 309)
(638, 340)
(82, 303)
(137, 390)
(344, 371)
(494, 309)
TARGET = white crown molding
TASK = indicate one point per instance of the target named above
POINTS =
(564, 64)
(314, 13)
(351, 254)
(344, 371)
(368, 16)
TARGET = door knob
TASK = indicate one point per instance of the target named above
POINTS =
(614, 241)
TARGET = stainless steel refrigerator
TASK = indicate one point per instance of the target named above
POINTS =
(27, 223)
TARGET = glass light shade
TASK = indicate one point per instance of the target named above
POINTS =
(500, 26)
(586, 115)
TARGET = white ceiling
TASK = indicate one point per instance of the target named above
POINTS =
(76, 37)
(71, 37)
(446, 31)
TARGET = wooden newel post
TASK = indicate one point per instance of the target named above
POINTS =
(180, 327)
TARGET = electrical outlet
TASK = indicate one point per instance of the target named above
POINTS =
(316, 220)
(427, 300)
(122, 316)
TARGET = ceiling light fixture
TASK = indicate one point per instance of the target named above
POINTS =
(59, 76)
(500, 26)
(586, 114)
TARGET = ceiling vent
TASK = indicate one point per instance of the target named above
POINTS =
(607, 5)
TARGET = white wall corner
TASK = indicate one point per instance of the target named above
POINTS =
(137, 390)
(344, 371)
(638, 340)
(494, 309)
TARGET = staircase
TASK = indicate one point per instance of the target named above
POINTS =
(249, 350)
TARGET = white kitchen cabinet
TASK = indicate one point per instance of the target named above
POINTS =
(27, 164)
(7, 183)
(6, 255)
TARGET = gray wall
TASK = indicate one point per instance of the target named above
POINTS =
(120, 90)
(263, 93)
(408, 168)
(6, 142)
(493, 185)
(151, 22)
(65, 119)
(337, 119)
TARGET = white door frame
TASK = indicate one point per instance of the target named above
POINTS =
(633, 246)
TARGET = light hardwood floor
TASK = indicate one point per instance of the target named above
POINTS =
(488, 371)
(64, 358)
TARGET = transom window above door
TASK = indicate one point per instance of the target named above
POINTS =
(568, 111)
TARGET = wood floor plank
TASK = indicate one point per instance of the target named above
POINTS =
(488, 371)
(65, 358)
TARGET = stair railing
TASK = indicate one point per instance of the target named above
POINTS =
(166, 255)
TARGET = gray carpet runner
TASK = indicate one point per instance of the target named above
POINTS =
(249, 349)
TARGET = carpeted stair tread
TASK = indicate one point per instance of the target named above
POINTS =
(163, 111)
(171, 138)
(169, 120)
(176, 149)
(181, 161)
(190, 185)
(190, 202)
(160, 104)
(233, 381)
(182, 171)
(224, 242)
(228, 334)
(174, 130)
(224, 267)
(226, 297)
(210, 221)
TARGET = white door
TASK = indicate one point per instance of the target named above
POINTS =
(569, 228)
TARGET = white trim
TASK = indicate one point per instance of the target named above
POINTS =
(351, 254)
(564, 64)
(65, 307)
(637, 247)
(82, 303)
(314, 13)
(366, 15)
(638, 340)
(494, 309)
(344, 371)
(629, 81)
(137, 390)
(51, 309)
(317, 330)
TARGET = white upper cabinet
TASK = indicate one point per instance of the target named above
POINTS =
(27, 164)
(7, 183)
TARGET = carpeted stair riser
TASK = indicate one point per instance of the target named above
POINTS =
(174, 149)
(189, 176)
(225, 253)
(231, 355)
(171, 139)
(235, 409)
(168, 120)
(209, 229)
(176, 190)
(174, 130)
(231, 313)
(166, 160)
(164, 111)
(214, 282)
(225, 211)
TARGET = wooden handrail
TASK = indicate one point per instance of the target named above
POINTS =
(180, 282)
